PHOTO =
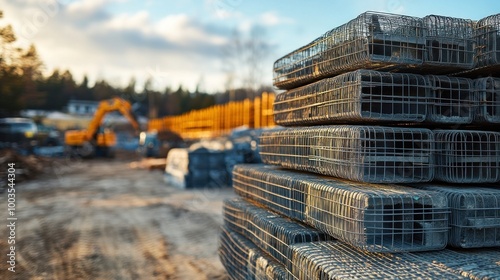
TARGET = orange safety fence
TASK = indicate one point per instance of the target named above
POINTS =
(218, 120)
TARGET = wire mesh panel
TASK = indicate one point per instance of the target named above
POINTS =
(377, 218)
(373, 154)
(473, 263)
(475, 214)
(282, 191)
(452, 100)
(488, 94)
(487, 33)
(449, 43)
(244, 260)
(362, 95)
(467, 156)
(370, 41)
(335, 260)
(270, 232)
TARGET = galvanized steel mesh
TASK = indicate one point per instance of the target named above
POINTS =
(376, 218)
(270, 232)
(373, 154)
(334, 260)
(487, 33)
(244, 260)
(475, 214)
(449, 43)
(488, 95)
(362, 95)
(452, 100)
(467, 156)
(370, 41)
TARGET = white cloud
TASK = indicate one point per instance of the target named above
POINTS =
(272, 19)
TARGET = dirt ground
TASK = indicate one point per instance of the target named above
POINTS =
(102, 219)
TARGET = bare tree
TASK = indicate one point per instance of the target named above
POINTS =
(244, 58)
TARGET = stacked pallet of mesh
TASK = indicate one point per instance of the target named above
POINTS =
(370, 93)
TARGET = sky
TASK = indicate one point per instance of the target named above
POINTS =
(176, 43)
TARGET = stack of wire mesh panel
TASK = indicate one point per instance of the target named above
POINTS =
(334, 260)
(475, 214)
(373, 111)
(467, 156)
(449, 44)
(372, 154)
(376, 218)
(358, 96)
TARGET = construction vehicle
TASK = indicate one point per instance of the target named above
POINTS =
(95, 140)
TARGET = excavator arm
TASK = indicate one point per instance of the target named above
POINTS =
(107, 106)
(85, 142)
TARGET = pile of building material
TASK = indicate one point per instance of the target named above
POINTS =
(210, 164)
(350, 195)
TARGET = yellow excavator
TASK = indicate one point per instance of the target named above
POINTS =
(97, 141)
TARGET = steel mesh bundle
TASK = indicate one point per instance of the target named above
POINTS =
(377, 218)
(452, 99)
(467, 156)
(475, 214)
(370, 41)
(270, 232)
(279, 190)
(362, 95)
(487, 33)
(335, 260)
(449, 43)
(244, 260)
(488, 94)
(373, 154)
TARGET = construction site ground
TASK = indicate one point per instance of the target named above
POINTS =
(105, 219)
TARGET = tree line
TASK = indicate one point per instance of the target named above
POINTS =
(23, 86)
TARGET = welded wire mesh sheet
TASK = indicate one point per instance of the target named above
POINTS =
(335, 260)
(370, 41)
(272, 233)
(244, 260)
(373, 154)
(373, 217)
(475, 214)
(488, 94)
(467, 156)
(449, 43)
(362, 95)
(452, 100)
(487, 34)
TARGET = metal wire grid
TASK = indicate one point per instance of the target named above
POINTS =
(272, 233)
(362, 95)
(335, 260)
(452, 100)
(377, 218)
(487, 33)
(449, 43)
(370, 41)
(244, 260)
(467, 156)
(372, 154)
(488, 94)
(279, 190)
(475, 214)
